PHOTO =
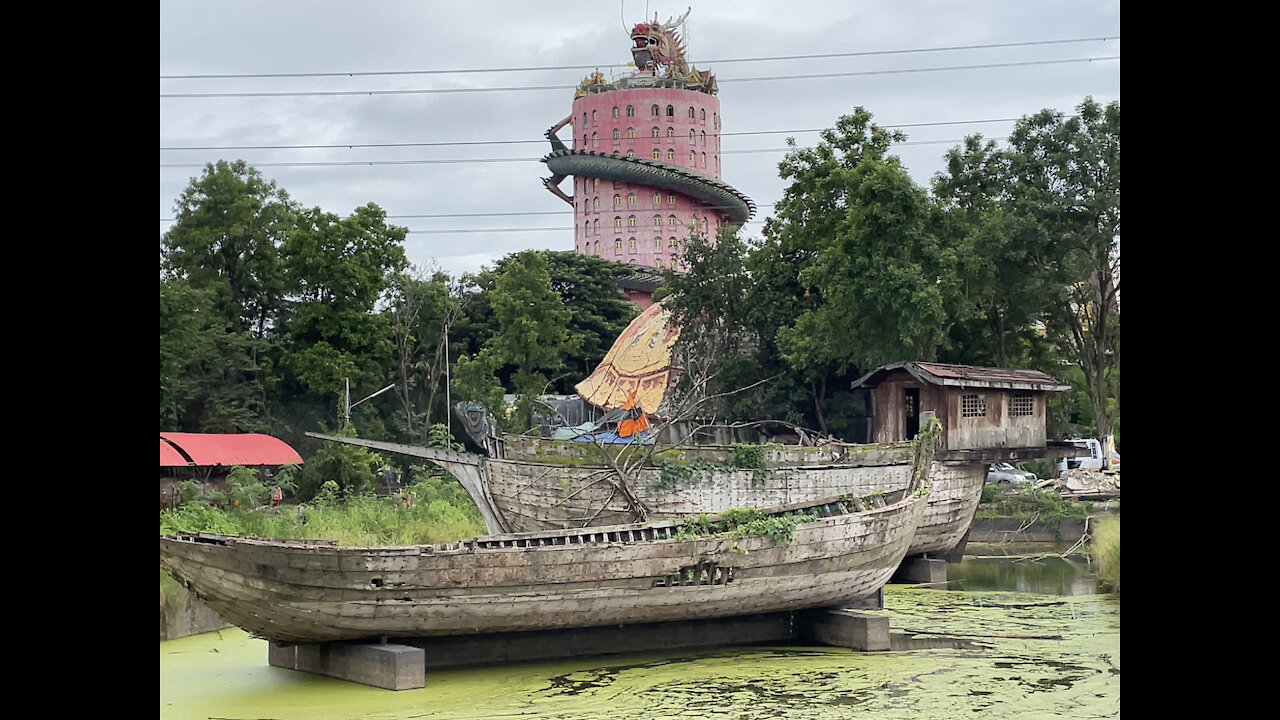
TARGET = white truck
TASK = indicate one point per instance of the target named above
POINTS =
(1095, 456)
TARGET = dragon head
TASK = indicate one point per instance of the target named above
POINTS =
(658, 43)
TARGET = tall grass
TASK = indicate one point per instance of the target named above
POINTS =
(422, 514)
(1105, 548)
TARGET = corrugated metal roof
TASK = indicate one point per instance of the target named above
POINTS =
(212, 449)
(967, 376)
(170, 457)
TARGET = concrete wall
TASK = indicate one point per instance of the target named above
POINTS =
(182, 615)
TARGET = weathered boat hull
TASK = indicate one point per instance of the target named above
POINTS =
(531, 496)
(636, 573)
(562, 491)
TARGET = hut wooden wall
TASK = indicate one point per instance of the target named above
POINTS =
(889, 408)
(997, 429)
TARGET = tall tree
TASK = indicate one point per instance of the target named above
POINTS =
(1041, 226)
(710, 302)
(1066, 175)
(226, 238)
(532, 338)
(598, 311)
(425, 306)
(340, 270)
(1005, 262)
(221, 293)
(883, 281)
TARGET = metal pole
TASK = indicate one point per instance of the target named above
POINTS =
(448, 400)
(347, 415)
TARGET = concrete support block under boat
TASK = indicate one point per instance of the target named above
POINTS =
(456, 650)
(920, 569)
(844, 628)
(390, 666)
(874, 601)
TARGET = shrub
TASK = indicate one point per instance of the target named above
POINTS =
(1028, 501)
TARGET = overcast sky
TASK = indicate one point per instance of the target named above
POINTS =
(474, 150)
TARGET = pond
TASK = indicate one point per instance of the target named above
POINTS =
(1008, 637)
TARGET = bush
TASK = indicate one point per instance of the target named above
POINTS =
(1028, 501)
(352, 468)
(990, 493)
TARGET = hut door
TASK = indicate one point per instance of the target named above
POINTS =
(911, 414)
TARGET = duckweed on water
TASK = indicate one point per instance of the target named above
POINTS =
(1013, 656)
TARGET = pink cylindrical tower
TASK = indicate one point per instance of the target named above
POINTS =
(645, 156)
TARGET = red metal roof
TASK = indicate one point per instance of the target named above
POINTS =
(170, 457)
(211, 449)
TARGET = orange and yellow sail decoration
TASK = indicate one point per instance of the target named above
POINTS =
(635, 372)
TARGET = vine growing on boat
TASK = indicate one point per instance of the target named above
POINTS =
(746, 456)
(674, 474)
(923, 447)
(743, 523)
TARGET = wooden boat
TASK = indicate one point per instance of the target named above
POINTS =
(555, 486)
(289, 591)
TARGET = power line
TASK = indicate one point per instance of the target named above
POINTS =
(459, 143)
(433, 91)
(457, 161)
(387, 73)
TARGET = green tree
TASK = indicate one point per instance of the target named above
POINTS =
(221, 293)
(1066, 173)
(882, 278)
(1041, 220)
(598, 312)
(339, 270)
(1005, 263)
(532, 337)
(709, 302)
(229, 225)
(424, 308)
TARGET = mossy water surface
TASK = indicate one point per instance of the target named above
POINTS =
(956, 654)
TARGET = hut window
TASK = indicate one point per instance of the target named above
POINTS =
(1022, 405)
(973, 406)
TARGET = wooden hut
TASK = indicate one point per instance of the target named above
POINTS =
(987, 414)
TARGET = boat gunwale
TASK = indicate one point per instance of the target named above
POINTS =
(480, 543)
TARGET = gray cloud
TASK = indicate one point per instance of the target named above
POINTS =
(296, 36)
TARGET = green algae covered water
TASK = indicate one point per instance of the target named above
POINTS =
(971, 650)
